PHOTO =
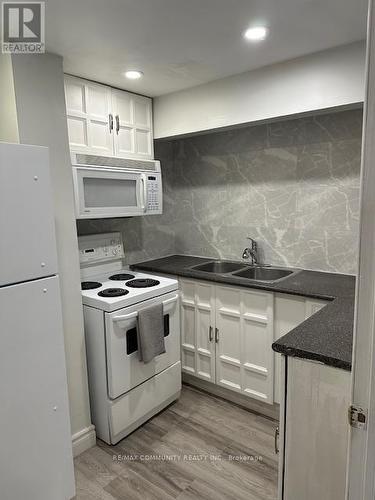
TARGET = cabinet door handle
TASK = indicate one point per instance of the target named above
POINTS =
(216, 335)
(210, 334)
(277, 433)
(110, 122)
(117, 124)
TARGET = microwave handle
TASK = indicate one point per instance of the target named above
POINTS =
(143, 192)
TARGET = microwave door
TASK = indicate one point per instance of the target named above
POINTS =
(108, 193)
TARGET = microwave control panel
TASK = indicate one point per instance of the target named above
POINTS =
(154, 193)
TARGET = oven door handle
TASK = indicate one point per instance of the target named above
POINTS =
(170, 301)
(124, 317)
(133, 315)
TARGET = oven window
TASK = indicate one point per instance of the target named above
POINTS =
(131, 341)
(131, 336)
(166, 325)
(103, 193)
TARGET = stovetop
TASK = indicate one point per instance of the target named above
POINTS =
(122, 288)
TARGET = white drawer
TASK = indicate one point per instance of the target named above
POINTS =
(140, 404)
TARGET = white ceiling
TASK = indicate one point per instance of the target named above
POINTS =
(183, 43)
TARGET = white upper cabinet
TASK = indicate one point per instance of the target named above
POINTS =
(124, 141)
(133, 125)
(106, 121)
(88, 107)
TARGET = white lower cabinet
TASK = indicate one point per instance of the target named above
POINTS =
(290, 311)
(227, 333)
(197, 321)
(244, 334)
(313, 431)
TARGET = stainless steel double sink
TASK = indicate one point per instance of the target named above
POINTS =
(241, 270)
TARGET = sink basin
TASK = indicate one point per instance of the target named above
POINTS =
(243, 270)
(219, 267)
(263, 273)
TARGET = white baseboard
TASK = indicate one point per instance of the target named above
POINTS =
(83, 440)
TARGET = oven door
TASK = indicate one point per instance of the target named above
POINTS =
(124, 370)
(102, 192)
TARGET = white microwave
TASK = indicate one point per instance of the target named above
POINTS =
(107, 187)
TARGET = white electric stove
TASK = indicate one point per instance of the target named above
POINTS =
(125, 392)
(109, 285)
(111, 291)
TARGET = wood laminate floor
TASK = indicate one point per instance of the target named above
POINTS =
(200, 447)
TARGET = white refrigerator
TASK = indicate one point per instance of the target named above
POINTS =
(35, 448)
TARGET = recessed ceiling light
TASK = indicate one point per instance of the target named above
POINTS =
(256, 33)
(133, 74)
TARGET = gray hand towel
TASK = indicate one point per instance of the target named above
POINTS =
(150, 333)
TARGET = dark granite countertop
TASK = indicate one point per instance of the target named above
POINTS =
(327, 336)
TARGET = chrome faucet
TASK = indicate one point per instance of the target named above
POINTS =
(251, 252)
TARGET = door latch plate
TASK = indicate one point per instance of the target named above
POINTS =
(357, 417)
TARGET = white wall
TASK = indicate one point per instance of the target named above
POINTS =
(8, 112)
(323, 80)
(40, 100)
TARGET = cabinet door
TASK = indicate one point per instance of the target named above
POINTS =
(123, 111)
(204, 327)
(88, 106)
(76, 111)
(244, 357)
(133, 125)
(197, 329)
(143, 136)
(316, 431)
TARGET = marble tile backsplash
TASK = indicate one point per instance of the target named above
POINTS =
(292, 185)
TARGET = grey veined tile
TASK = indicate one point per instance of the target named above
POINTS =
(333, 250)
(163, 150)
(286, 133)
(329, 162)
(334, 126)
(293, 185)
(222, 142)
(324, 208)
